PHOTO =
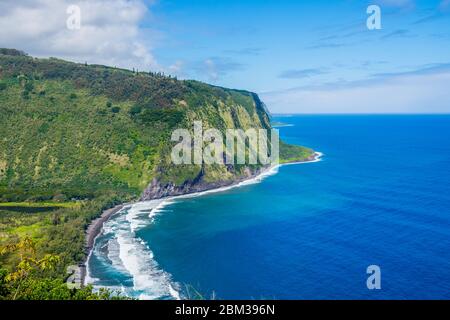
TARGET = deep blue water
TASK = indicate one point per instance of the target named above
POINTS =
(380, 196)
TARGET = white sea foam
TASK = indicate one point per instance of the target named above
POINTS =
(128, 253)
(88, 279)
(267, 173)
(114, 254)
(149, 280)
(283, 125)
(160, 208)
(136, 213)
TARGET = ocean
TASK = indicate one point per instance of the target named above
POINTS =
(380, 196)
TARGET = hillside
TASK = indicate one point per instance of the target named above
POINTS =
(72, 131)
(79, 138)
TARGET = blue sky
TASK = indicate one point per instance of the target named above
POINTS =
(274, 47)
(300, 56)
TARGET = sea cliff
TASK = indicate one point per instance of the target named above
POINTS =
(86, 138)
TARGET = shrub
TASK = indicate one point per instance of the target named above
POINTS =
(115, 110)
(135, 110)
(25, 95)
(28, 86)
(12, 52)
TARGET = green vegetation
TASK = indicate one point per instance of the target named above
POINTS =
(76, 139)
(292, 153)
(59, 231)
(34, 278)
(40, 204)
(279, 124)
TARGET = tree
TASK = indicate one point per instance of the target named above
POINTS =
(31, 279)
(115, 109)
(29, 264)
(135, 110)
(12, 52)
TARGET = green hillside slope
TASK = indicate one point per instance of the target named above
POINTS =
(72, 131)
(77, 138)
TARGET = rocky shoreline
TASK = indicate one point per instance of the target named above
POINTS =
(158, 191)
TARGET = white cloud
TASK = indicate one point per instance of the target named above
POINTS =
(109, 32)
(216, 68)
(424, 91)
(211, 69)
(177, 69)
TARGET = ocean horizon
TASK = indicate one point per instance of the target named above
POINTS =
(380, 196)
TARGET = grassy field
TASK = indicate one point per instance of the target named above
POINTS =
(58, 231)
(40, 204)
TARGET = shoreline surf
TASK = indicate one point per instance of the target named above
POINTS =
(97, 226)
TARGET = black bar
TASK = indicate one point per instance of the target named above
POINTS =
(227, 309)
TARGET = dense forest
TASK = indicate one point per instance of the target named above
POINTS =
(77, 139)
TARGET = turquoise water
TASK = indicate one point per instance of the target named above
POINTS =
(380, 196)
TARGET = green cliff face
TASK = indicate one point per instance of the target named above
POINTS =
(103, 136)
(76, 131)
